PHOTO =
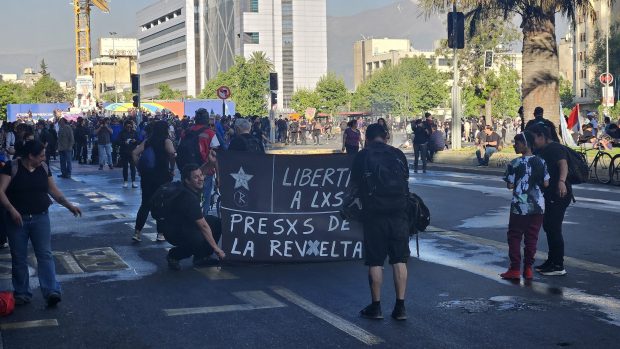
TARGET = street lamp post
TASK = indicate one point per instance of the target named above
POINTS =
(113, 34)
(456, 121)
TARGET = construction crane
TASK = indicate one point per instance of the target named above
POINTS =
(82, 32)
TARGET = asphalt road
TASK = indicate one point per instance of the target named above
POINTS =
(120, 295)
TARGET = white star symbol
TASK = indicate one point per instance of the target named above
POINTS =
(241, 179)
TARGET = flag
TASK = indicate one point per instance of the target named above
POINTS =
(573, 118)
(567, 137)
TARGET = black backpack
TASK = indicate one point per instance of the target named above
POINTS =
(162, 201)
(253, 145)
(385, 180)
(188, 151)
(419, 214)
(578, 170)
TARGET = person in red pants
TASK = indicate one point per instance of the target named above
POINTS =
(526, 176)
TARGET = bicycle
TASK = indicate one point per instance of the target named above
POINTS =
(614, 170)
(600, 165)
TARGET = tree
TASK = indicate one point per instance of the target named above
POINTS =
(332, 93)
(411, 87)
(46, 90)
(167, 93)
(248, 81)
(10, 93)
(598, 56)
(303, 99)
(566, 93)
(540, 50)
(43, 68)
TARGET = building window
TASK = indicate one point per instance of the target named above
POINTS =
(253, 5)
(251, 38)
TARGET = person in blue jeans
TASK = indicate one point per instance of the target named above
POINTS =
(24, 188)
(490, 142)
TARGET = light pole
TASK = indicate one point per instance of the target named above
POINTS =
(456, 121)
(113, 34)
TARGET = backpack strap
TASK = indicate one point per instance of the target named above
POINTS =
(15, 167)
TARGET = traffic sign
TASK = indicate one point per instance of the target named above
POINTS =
(223, 92)
(606, 78)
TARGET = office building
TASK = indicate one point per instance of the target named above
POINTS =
(184, 43)
(112, 70)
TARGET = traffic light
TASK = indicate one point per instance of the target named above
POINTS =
(488, 59)
(135, 83)
(274, 98)
(273, 81)
(456, 35)
(136, 101)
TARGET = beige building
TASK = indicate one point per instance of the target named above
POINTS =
(565, 55)
(584, 35)
(112, 71)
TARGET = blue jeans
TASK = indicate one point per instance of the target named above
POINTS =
(487, 154)
(206, 197)
(35, 228)
(105, 149)
(65, 162)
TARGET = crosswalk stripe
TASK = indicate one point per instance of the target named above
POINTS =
(216, 273)
(28, 324)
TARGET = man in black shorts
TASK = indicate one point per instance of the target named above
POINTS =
(380, 172)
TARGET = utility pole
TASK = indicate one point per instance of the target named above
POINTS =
(607, 29)
(456, 120)
(114, 52)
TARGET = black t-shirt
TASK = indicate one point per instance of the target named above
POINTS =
(553, 153)
(357, 169)
(187, 210)
(493, 137)
(421, 135)
(28, 191)
(548, 124)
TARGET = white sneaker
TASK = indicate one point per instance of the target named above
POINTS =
(160, 237)
(134, 185)
(125, 184)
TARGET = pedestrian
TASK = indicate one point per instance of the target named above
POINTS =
(303, 127)
(489, 144)
(316, 130)
(80, 136)
(243, 140)
(104, 143)
(159, 151)
(421, 136)
(437, 142)
(526, 175)
(558, 196)
(381, 121)
(189, 231)
(381, 175)
(294, 131)
(25, 187)
(539, 119)
(351, 138)
(128, 141)
(65, 148)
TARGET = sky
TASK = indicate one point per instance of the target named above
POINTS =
(34, 26)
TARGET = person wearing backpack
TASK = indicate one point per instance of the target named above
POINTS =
(194, 148)
(558, 196)
(243, 140)
(155, 161)
(194, 234)
(380, 174)
(540, 120)
(526, 175)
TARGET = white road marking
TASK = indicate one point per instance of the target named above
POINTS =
(216, 273)
(332, 319)
(255, 300)
(28, 324)
(67, 260)
(110, 207)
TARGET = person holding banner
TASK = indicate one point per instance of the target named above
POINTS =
(381, 174)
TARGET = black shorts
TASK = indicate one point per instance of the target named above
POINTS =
(386, 236)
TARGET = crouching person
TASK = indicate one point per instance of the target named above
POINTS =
(191, 233)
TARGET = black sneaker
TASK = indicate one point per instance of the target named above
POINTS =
(22, 300)
(173, 264)
(553, 270)
(372, 312)
(399, 313)
(545, 265)
(53, 299)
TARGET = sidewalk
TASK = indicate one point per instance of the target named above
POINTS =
(465, 161)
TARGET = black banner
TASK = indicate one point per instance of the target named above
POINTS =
(279, 208)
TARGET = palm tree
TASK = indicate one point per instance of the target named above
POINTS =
(259, 58)
(540, 50)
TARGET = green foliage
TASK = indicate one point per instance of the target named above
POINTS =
(167, 93)
(10, 93)
(411, 87)
(566, 93)
(43, 68)
(303, 99)
(248, 81)
(332, 93)
(46, 90)
(614, 112)
(598, 56)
